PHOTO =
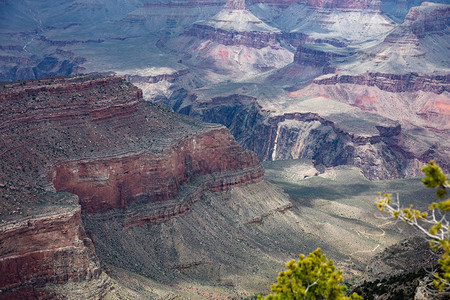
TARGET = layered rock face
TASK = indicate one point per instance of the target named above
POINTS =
(232, 41)
(398, 9)
(41, 254)
(366, 4)
(346, 21)
(418, 45)
(429, 17)
(95, 137)
(313, 57)
(395, 83)
(251, 39)
(312, 129)
(117, 181)
(403, 77)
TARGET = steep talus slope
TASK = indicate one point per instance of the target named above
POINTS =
(232, 244)
(95, 137)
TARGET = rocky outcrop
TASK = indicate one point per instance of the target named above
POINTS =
(149, 164)
(399, 270)
(429, 17)
(421, 21)
(396, 83)
(234, 41)
(139, 79)
(366, 4)
(115, 182)
(315, 58)
(18, 66)
(410, 48)
(96, 138)
(40, 252)
(252, 39)
(235, 4)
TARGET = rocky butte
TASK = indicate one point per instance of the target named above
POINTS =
(72, 146)
(234, 40)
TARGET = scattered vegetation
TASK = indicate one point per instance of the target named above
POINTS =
(433, 223)
(314, 277)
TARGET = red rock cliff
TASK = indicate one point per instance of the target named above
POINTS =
(94, 137)
(40, 252)
(98, 139)
(115, 182)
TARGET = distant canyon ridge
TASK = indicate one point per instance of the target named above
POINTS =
(362, 83)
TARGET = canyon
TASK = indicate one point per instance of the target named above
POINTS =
(113, 186)
(99, 186)
(59, 129)
(297, 117)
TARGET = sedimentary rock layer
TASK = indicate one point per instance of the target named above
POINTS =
(252, 39)
(113, 182)
(382, 148)
(396, 83)
(40, 252)
(95, 138)
(108, 146)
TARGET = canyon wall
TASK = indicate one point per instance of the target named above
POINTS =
(252, 39)
(396, 83)
(97, 139)
(49, 256)
(115, 182)
(380, 147)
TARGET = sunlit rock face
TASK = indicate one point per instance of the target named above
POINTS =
(404, 76)
(319, 128)
(419, 45)
(235, 5)
(49, 256)
(90, 144)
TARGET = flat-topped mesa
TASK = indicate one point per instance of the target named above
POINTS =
(97, 138)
